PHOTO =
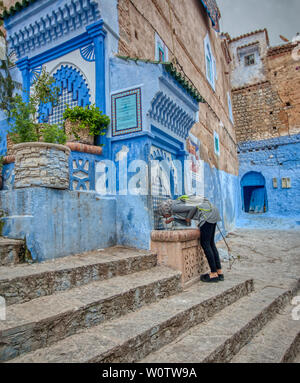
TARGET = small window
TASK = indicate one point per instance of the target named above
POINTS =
(286, 183)
(210, 61)
(161, 54)
(217, 143)
(250, 60)
(161, 50)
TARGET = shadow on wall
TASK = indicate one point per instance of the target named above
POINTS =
(254, 193)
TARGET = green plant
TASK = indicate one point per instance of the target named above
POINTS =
(53, 133)
(89, 117)
(22, 123)
(44, 90)
(23, 115)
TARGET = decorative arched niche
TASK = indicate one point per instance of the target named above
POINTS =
(73, 91)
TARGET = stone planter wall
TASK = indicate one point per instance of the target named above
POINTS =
(180, 250)
(41, 164)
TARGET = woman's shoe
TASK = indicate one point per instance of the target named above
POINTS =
(221, 277)
(208, 279)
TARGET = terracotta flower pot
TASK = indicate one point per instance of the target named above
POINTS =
(84, 136)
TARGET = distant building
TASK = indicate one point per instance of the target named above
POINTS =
(266, 109)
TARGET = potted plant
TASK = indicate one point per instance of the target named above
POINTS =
(83, 124)
(41, 157)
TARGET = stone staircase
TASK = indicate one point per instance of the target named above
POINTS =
(118, 305)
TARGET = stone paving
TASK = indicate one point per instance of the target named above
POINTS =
(270, 257)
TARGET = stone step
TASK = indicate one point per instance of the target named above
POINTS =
(135, 335)
(222, 337)
(25, 282)
(43, 321)
(11, 251)
(278, 342)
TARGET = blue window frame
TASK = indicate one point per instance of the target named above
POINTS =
(210, 62)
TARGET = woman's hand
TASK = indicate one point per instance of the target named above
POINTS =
(169, 220)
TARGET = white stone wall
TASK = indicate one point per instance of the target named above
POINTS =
(242, 75)
(41, 164)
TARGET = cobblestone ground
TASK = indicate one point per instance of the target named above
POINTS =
(270, 257)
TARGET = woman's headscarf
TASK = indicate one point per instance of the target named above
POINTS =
(165, 208)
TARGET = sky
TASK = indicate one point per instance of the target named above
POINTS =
(280, 17)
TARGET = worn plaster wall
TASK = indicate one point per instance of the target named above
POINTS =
(58, 223)
(139, 21)
(271, 108)
(253, 43)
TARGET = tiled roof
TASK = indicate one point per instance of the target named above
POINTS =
(251, 34)
(282, 48)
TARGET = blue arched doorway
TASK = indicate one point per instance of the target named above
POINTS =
(254, 193)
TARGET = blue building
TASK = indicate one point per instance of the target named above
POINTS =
(157, 116)
(266, 108)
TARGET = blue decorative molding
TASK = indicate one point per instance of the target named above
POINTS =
(82, 171)
(166, 142)
(35, 74)
(88, 53)
(98, 34)
(24, 67)
(159, 154)
(170, 115)
(69, 15)
(61, 50)
(67, 78)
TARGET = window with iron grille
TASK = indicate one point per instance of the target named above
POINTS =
(250, 60)
(65, 100)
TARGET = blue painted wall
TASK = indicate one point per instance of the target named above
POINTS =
(59, 223)
(220, 188)
(275, 158)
